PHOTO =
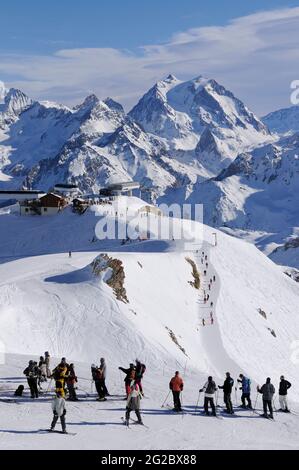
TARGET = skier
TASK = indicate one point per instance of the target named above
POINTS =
(227, 390)
(31, 373)
(97, 375)
(42, 367)
(209, 287)
(267, 390)
(47, 361)
(103, 368)
(59, 374)
(283, 392)
(70, 254)
(203, 322)
(205, 273)
(209, 388)
(140, 370)
(19, 391)
(176, 385)
(59, 411)
(245, 387)
(133, 402)
(71, 380)
(130, 375)
(214, 278)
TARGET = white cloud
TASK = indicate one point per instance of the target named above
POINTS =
(255, 56)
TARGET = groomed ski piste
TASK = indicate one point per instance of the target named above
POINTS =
(50, 302)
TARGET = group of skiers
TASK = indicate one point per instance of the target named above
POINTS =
(65, 383)
(210, 389)
(66, 379)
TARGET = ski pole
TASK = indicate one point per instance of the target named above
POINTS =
(91, 388)
(162, 406)
(199, 393)
(255, 403)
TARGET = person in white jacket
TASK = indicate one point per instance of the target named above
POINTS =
(133, 402)
(59, 411)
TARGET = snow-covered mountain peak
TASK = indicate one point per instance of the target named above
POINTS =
(15, 101)
(283, 121)
(112, 104)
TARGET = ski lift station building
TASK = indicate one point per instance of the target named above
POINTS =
(120, 189)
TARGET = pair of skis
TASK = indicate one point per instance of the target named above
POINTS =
(134, 421)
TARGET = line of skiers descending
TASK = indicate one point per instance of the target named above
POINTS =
(210, 388)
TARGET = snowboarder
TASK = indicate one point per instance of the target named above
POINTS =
(130, 375)
(140, 370)
(59, 375)
(59, 411)
(283, 392)
(227, 391)
(103, 368)
(246, 389)
(267, 390)
(70, 254)
(71, 380)
(31, 373)
(97, 375)
(47, 361)
(176, 385)
(209, 388)
(133, 402)
(19, 391)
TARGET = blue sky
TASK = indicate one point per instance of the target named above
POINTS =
(65, 49)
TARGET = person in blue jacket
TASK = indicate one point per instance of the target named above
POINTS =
(246, 389)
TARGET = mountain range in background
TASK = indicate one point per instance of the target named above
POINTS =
(190, 141)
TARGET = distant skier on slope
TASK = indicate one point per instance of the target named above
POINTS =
(140, 370)
(209, 388)
(59, 411)
(31, 373)
(246, 390)
(227, 390)
(133, 402)
(176, 385)
(268, 391)
(130, 375)
(284, 386)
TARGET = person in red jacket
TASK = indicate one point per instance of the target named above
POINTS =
(176, 385)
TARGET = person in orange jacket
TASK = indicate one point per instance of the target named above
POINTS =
(176, 385)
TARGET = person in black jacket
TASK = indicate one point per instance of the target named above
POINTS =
(283, 392)
(268, 391)
(31, 373)
(130, 375)
(209, 388)
(227, 391)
